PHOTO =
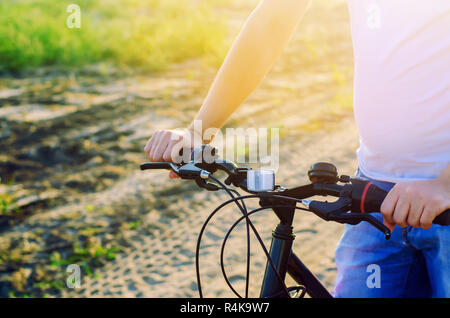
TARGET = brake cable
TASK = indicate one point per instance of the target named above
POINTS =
(244, 210)
(260, 195)
(234, 199)
(248, 246)
(231, 229)
(248, 223)
(197, 252)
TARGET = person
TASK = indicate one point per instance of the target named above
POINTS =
(402, 111)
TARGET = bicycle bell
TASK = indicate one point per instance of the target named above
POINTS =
(259, 180)
(323, 172)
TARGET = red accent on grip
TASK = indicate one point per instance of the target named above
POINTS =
(363, 197)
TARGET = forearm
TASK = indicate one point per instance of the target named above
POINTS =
(265, 34)
(445, 176)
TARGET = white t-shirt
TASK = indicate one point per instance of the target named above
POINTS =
(402, 87)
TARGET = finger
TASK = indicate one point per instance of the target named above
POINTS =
(427, 217)
(390, 226)
(401, 212)
(167, 155)
(171, 153)
(173, 175)
(415, 212)
(158, 156)
(155, 140)
(149, 144)
(159, 148)
(388, 206)
(177, 153)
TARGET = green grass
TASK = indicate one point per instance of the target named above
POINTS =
(145, 34)
(92, 254)
(7, 201)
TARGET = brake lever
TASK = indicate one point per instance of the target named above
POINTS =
(356, 218)
(375, 222)
(325, 209)
(192, 171)
(202, 183)
(338, 211)
(189, 171)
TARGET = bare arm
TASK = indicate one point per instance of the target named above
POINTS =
(264, 36)
(261, 40)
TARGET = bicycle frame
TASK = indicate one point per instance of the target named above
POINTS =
(357, 198)
(284, 260)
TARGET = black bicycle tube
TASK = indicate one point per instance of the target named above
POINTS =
(280, 252)
(271, 290)
(285, 291)
(303, 276)
(197, 250)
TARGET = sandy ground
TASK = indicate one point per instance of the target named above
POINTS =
(163, 265)
(71, 145)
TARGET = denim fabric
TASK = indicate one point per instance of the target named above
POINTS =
(413, 263)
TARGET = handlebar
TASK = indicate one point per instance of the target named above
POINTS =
(357, 198)
(159, 165)
(367, 197)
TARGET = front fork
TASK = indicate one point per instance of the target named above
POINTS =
(280, 249)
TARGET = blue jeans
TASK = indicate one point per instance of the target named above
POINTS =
(413, 263)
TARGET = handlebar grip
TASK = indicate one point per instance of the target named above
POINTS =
(367, 197)
(443, 218)
(157, 165)
(203, 153)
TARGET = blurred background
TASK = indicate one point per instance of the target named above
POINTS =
(77, 106)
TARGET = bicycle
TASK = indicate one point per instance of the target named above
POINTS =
(357, 198)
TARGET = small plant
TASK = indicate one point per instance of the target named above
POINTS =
(91, 254)
(7, 200)
(45, 285)
(133, 225)
(5, 203)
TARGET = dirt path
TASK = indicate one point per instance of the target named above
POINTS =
(163, 264)
(71, 145)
